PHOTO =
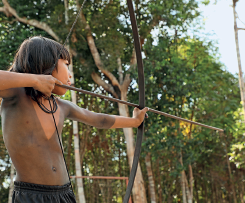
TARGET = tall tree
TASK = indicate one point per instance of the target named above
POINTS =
(11, 184)
(241, 79)
(79, 181)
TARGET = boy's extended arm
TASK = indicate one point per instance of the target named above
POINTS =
(11, 80)
(105, 121)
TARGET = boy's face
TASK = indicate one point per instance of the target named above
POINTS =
(63, 75)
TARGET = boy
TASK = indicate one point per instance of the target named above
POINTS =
(28, 127)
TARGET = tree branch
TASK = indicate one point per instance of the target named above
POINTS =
(120, 73)
(109, 88)
(9, 11)
(126, 83)
(133, 60)
(191, 180)
(6, 21)
(2, 9)
(95, 53)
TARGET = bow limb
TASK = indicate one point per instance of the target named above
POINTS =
(141, 83)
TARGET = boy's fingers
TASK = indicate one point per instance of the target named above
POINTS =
(146, 115)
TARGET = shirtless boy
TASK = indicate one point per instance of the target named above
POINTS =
(29, 132)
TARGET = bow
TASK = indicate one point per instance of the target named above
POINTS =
(141, 83)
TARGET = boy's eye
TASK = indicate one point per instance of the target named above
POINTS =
(67, 65)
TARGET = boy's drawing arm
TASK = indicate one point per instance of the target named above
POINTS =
(105, 121)
(8, 84)
(10, 81)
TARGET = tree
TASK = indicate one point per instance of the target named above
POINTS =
(241, 81)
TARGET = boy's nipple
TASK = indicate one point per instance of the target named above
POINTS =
(53, 169)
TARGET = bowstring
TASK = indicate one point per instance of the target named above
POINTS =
(52, 110)
(72, 27)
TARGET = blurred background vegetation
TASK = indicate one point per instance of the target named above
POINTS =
(183, 77)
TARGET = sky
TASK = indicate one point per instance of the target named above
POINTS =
(219, 23)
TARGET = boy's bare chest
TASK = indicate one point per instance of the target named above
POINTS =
(47, 121)
(28, 124)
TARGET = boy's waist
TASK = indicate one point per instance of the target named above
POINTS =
(18, 185)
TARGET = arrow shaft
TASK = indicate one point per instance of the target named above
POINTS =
(135, 105)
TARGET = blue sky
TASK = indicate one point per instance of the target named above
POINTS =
(219, 22)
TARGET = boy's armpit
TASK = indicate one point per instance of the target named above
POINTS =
(10, 93)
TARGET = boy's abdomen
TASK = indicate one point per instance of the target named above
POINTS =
(40, 164)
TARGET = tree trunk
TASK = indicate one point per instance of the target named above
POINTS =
(241, 195)
(216, 192)
(11, 185)
(196, 191)
(187, 191)
(231, 179)
(160, 199)
(213, 189)
(150, 178)
(241, 81)
(241, 187)
(182, 179)
(205, 185)
(79, 181)
(139, 195)
(191, 181)
(183, 186)
(170, 198)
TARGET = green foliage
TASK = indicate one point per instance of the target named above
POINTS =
(186, 80)
(183, 77)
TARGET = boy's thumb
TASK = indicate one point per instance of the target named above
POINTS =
(146, 109)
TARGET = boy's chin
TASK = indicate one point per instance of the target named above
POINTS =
(60, 92)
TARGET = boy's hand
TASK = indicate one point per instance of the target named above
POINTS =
(139, 115)
(45, 84)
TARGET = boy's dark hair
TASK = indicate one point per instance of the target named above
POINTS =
(38, 55)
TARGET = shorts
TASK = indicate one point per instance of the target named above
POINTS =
(34, 193)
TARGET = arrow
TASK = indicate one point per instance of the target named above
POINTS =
(135, 105)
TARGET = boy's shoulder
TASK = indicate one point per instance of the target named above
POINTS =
(67, 106)
(64, 104)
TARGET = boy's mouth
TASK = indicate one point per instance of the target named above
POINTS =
(69, 83)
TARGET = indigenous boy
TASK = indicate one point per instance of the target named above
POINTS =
(28, 127)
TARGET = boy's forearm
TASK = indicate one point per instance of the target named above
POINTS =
(14, 80)
(125, 122)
